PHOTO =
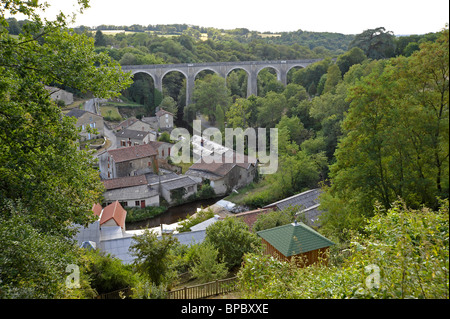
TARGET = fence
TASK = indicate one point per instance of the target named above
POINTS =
(118, 294)
(204, 290)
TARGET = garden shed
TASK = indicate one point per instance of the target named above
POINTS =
(296, 240)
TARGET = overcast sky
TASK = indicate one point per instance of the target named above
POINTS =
(342, 16)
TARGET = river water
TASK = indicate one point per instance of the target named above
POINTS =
(173, 214)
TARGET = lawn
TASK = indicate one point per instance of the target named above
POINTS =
(110, 113)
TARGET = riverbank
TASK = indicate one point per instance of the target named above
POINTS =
(173, 214)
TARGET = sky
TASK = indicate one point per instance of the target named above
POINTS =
(342, 16)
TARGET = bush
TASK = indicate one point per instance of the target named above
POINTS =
(135, 214)
(207, 266)
(190, 221)
(404, 254)
(232, 238)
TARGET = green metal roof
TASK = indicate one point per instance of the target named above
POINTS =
(293, 239)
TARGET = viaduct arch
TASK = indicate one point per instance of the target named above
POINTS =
(190, 71)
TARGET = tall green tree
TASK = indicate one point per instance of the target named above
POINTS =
(210, 93)
(46, 184)
(396, 136)
(153, 255)
(39, 161)
(376, 43)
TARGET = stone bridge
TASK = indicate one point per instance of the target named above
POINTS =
(191, 70)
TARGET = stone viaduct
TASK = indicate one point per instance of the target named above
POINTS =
(190, 71)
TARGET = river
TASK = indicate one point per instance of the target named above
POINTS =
(173, 214)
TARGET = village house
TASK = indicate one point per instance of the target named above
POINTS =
(296, 240)
(127, 137)
(178, 189)
(223, 176)
(129, 161)
(147, 190)
(163, 120)
(87, 120)
(131, 191)
(57, 94)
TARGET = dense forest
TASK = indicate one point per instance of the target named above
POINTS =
(369, 124)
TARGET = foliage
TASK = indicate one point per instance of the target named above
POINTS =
(407, 248)
(274, 219)
(146, 289)
(135, 214)
(376, 43)
(107, 273)
(33, 264)
(396, 137)
(186, 224)
(210, 95)
(39, 161)
(232, 239)
(153, 256)
(207, 266)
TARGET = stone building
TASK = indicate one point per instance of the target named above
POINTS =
(223, 176)
(130, 161)
(87, 120)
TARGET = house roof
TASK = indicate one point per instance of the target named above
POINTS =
(127, 122)
(124, 154)
(132, 134)
(295, 238)
(161, 112)
(114, 211)
(97, 209)
(303, 200)
(179, 182)
(222, 164)
(122, 182)
(79, 113)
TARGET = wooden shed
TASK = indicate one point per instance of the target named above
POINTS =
(296, 240)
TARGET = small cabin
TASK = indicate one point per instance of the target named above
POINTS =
(296, 240)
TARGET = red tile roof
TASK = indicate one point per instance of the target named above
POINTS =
(116, 212)
(97, 209)
(133, 152)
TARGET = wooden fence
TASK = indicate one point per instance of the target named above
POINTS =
(118, 294)
(193, 292)
(204, 290)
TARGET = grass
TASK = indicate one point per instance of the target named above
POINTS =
(110, 113)
(245, 192)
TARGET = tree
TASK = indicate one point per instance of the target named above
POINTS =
(207, 266)
(37, 142)
(153, 255)
(334, 76)
(46, 184)
(238, 115)
(100, 40)
(376, 43)
(270, 109)
(396, 136)
(169, 104)
(354, 56)
(232, 239)
(210, 93)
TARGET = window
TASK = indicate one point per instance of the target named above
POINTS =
(136, 203)
(123, 143)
